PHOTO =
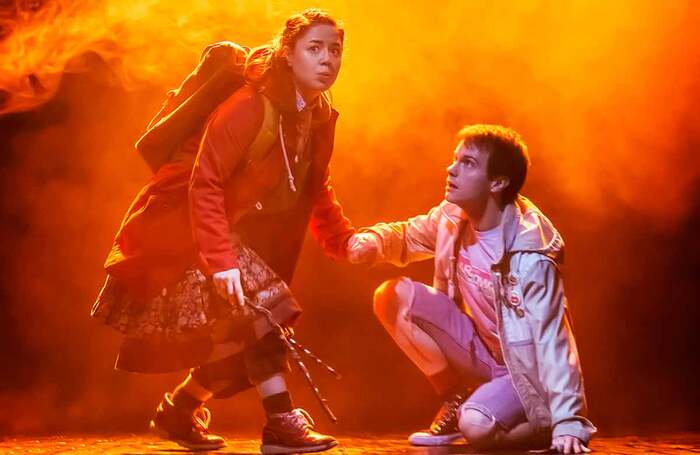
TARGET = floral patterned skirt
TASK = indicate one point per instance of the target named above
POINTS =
(180, 327)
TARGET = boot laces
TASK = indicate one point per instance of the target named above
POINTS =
(201, 418)
(301, 418)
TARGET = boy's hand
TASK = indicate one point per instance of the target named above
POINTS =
(363, 248)
(568, 444)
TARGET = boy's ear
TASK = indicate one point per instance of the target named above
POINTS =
(499, 184)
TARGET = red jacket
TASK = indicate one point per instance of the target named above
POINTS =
(184, 214)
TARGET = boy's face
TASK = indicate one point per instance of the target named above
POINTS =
(467, 177)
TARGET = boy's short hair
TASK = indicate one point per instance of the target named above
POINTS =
(508, 156)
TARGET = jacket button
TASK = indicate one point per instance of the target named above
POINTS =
(512, 280)
(258, 205)
(514, 299)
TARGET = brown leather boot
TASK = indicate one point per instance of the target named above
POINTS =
(185, 428)
(293, 432)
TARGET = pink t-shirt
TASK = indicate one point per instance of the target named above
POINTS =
(478, 253)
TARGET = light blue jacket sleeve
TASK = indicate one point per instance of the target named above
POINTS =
(559, 369)
(403, 242)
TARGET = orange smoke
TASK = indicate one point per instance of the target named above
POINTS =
(605, 94)
(150, 41)
(602, 92)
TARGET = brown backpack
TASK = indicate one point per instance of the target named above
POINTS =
(185, 111)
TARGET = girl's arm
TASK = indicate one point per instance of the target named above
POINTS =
(229, 133)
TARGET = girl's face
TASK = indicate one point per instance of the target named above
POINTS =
(315, 60)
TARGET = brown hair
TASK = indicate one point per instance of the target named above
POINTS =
(508, 155)
(268, 57)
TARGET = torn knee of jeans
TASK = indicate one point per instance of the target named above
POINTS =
(478, 425)
(390, 299)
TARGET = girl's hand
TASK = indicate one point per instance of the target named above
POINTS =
(228, 286)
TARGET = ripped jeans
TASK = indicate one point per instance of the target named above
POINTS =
(442, 341)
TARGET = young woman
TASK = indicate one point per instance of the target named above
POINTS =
(219, 227)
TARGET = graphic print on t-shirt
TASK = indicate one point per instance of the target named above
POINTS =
(480, 252)
(476, 276)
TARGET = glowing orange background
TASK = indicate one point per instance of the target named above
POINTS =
(605, 94)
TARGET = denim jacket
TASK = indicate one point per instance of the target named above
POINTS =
(534, 325)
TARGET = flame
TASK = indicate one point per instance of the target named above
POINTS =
(143, 41)
(595, 90)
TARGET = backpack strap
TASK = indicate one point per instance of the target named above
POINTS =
(264, 138)
(267, 135)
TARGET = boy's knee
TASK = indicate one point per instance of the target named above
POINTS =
(477, 427)
(389, 297)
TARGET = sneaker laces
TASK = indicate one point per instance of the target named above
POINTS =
(448, 417)
(201, 418)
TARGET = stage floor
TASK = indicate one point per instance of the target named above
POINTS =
(686, 443)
